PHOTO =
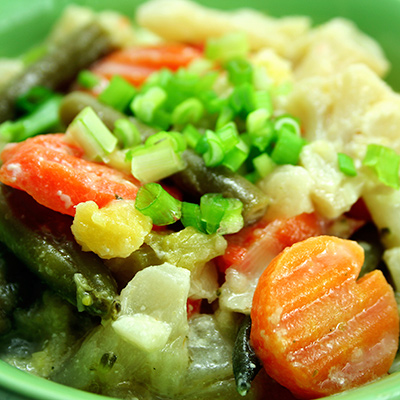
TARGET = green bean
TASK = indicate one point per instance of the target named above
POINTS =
(197, 179)
(43, 240)
(58, 67)
(245, 363)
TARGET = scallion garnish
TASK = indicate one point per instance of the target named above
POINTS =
(263, 164)
(155, 202)
(191, 216)
(189, 111)
(145, 105)
(287, 148)
(215, 150)
(89, 131)
(118, 94)
(385, 162)
(227, 47)
(346, 165)
(155, 162)
(288, 122)
(235, 158)
(239, 71)
(87, 79)
(127, 133)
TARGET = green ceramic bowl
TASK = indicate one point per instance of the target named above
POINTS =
(25, 22)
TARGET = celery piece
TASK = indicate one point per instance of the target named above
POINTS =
(92, 135)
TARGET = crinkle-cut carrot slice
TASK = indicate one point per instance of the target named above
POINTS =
(52, 172)
(318, 330)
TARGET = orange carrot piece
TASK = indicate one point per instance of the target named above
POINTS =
(54, 174)
(136, 64)
(318, 330)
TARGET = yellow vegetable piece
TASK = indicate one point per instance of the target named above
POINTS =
(116, 230)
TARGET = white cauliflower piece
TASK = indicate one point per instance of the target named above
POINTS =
(332, 192)
(289, 188)
(189, 22)
(334, 46)
(350, 109)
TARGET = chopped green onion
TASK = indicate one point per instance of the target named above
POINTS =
(127, 133)
(189, 111)
(191, 216)
(257, 120)
(262, 99)
(224, 48)
(215, 151)
(385, 162)
(288, 122)
(212, 209)
(155, 202)
(156, 162)
(234, 158)
(44, 118)
(287, 148)
(161, 119)
(89, 131)
(225, 116)
(242, 98)
(118, 94)
(192, 135)
(262, 138)
(263, 164)
(346, 165)
(232, 220)
(177, 140)
(144, 105)
(229, 136)
(88, 79)
(31, 100)
(221, 215)
(239, 71)
(212, 102)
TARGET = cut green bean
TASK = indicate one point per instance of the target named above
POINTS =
(58, 67)
(42, 239)
(197, 179)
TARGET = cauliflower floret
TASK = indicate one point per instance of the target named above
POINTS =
(332, 192)
(189, 22)
(289, 189)
(334, 46)
(116, 230)
(350, 109)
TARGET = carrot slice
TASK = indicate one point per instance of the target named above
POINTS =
(136, 64)
(318, 330)
(54, 174)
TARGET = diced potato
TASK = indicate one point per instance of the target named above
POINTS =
(116, 230)
(143, 331)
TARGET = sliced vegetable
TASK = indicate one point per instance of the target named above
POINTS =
(42, 239)
(118, 94)
(346, 165)
(155, 202)
(55, 174)
(136, 64)
(58, 67)
(326, 333)
(90, 133)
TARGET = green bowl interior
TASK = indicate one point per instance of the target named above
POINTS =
(24, 23)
